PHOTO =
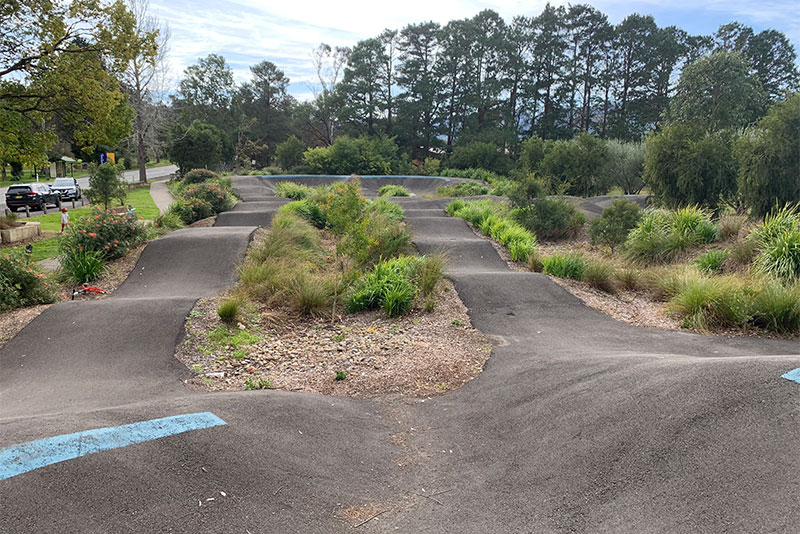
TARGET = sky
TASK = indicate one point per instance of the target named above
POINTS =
(247, 32)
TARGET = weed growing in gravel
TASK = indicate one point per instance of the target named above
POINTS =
(341, 375)
(252, 383)
(229, 309)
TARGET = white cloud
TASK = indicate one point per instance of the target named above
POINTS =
(248, 31)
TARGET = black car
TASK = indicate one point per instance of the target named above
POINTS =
(32, 195)
(68, 188)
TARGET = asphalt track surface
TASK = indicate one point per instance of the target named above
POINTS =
(578, 423)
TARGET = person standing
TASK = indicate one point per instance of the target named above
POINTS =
(64, 219)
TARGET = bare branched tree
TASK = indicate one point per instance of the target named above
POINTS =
(145, 81)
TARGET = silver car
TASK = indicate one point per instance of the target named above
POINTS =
(68, 188)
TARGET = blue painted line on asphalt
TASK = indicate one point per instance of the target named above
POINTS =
(25, 457)
(793, 375)
(445, 179)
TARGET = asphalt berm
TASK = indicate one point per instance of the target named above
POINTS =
(578, 423)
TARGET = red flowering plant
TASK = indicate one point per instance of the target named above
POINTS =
(21, 284)
(102, 231)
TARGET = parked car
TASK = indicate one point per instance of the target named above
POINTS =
(68, 188)
(32, 195)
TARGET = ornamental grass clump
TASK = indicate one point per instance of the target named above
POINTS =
(712, 261)
(82, 266)
(493, 219)
(661, 235)
(292, 190)
(779, 245)
(388, 286)
(393, 191)
(706, 303)
(565, 266)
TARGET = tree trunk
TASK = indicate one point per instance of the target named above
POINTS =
(141, 157)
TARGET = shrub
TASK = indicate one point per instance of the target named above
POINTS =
(462, 189)
(565, 266)
(624, 165)
(8, 221)
(393, 191)
(191, 210)
(229, 309)
(601, 275)
(342, 205)
(196, 176)
(502, 188)
(105, 232)
(292, 190)
(551, 218)
(290, 152)
(212, 192)
(105, 184)
(712, 260)
(82, 266)
(381, 206)
(615, 223)
(22, 284)
(575, 166)
(363, 155)
(706, 302)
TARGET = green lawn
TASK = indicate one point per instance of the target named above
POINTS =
(139, 198)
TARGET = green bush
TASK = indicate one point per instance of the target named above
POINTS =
(712, 260)
(615, 223)
(292, 190)
(551, 218)
(191, 210)
(565, 266)
(8, 221)
(196, 176)
(342, 205)
(105, 184)
(82, 266)
(363, 155)
(427, 273)
(290, 152)
(108, 233)
(22, 284)
(393, 191)
(462, 189)
(502, 188)
(212, 192)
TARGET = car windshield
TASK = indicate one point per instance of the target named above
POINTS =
(63, 182)
(21, 189)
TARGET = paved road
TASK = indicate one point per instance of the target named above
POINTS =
(128, 176)
(578, 424)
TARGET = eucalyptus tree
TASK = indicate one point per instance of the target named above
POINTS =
(205, 92)
(419, 102)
